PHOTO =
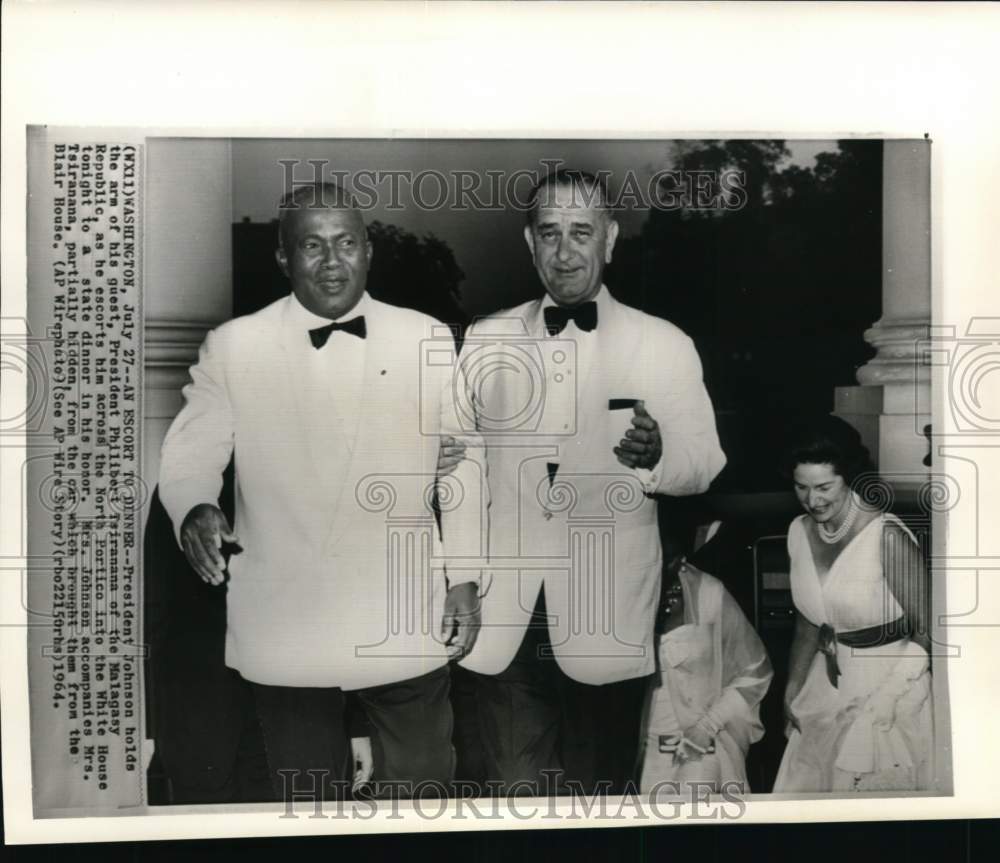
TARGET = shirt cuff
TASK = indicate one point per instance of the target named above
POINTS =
(650, 478)
(180, 497)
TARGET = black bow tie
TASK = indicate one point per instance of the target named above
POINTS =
(583, 315)
(321, 335)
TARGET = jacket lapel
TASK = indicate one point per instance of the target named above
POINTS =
(539, 477)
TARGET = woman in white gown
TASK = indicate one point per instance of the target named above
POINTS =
(703, 708)
(858, 700)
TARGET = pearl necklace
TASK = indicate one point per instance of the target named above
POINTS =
(840, 532)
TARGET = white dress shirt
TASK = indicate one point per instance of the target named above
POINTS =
(335, 372)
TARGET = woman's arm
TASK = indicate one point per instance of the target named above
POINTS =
(906, 577)
(804, 645)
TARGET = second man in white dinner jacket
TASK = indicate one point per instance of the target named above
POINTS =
(592, 408)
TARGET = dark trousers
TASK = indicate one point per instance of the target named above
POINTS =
(410, 724)
(542, 729)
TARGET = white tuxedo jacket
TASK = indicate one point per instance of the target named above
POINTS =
(334, 585)
(590, 536)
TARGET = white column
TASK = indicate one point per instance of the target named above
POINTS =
(188, 272)
(892, 406)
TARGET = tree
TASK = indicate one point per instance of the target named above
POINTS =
(775, 294)
(417, 273)
(756, 160)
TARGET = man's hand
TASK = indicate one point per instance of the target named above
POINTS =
(462, 618)
(364, 762)
(204, 530)
(641, 446)
(451, 452)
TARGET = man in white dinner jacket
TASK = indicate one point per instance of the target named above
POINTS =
(588, 408)
(334, 423)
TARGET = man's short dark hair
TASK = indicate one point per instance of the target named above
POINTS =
(590, 187)
(318, 196)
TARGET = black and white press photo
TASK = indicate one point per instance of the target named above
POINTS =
(427, 473)
(478, 418)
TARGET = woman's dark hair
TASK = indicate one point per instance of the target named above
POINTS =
(826, 440)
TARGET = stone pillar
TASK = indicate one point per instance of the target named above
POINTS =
(188, 283)
(892, 405)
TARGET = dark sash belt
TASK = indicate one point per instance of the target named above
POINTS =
(873, 636)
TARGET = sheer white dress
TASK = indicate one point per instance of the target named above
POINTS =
(874, 730)
(713, 661)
